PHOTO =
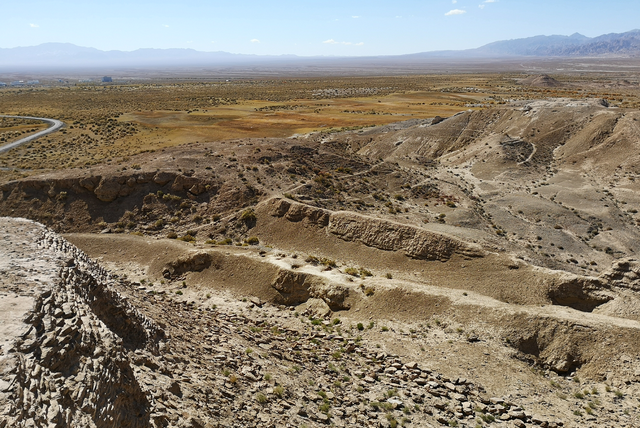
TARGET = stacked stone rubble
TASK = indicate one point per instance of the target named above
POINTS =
(71, 366)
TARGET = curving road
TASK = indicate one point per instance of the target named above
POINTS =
(55, 125)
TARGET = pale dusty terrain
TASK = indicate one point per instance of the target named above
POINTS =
(210, 357)
(474, 270)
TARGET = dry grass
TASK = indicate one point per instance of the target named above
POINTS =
(108, 124)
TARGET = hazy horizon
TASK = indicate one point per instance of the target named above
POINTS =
(354, 28)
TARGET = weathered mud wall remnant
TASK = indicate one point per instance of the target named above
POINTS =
(68, 367)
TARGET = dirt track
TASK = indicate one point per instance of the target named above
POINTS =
(55, 125)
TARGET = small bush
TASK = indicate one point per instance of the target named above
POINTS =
(278, 391)
(487, 418)
(261, 398)
(360, 326)
(252, 240)
(248, 216)
(392, 422)
(169, 197)
(328, 262)
(365, 273)
(351, 271)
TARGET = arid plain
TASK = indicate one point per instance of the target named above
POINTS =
(422, 250)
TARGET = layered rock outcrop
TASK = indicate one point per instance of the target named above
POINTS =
(378, 233)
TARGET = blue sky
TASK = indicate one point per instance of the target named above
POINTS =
(327, 27)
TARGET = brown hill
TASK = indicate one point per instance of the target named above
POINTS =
(542, 81)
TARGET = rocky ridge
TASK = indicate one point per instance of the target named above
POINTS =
(85, 355)
(67, 365)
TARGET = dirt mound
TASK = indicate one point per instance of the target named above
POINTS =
(541, 81)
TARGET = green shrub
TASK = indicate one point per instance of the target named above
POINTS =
(324, 407)
(328, 262)
(351, 271)
(248, 216)
(278, 391)
(252, 240)
(365, 273)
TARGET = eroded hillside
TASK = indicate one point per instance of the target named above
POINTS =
(507, 235)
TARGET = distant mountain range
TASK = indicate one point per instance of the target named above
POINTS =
(618, 44)
(66, 55)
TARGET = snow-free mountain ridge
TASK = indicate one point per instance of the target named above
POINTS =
(65, 55)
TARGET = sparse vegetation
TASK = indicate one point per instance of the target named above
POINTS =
(359, 199)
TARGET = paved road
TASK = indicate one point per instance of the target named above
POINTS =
(55, 125)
